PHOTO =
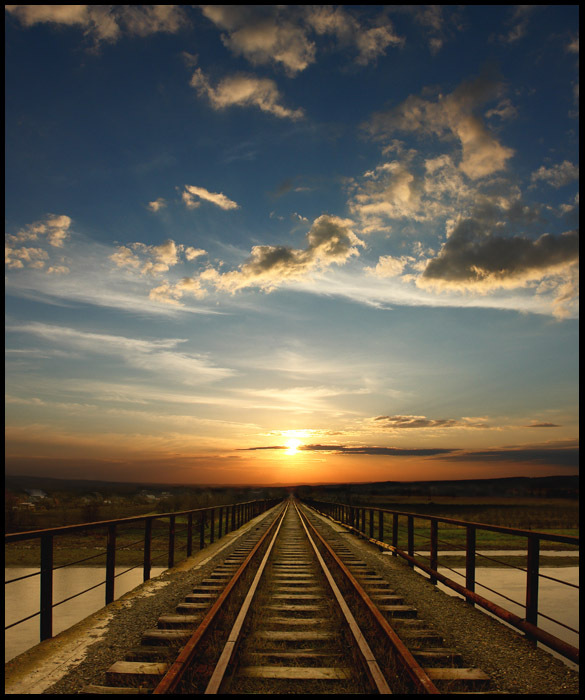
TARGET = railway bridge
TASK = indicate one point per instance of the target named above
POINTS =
(292, 597)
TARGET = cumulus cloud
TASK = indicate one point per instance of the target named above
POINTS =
(52, 231)
(169, 293)
(153, 259)
(191, 192)
(329, 241)
(389, 266)
(369, 41)
(557, 175)
(454, 114)
(280, 35)
(391, 191)
(104, 22)
(243, 90)
(157, 204)
(263, 35)
(477, 257)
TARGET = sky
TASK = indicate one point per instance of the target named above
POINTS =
(291, 244)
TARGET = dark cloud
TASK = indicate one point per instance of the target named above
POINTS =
(551, 456)
(543, 425)
(473, 255)
(365, 450)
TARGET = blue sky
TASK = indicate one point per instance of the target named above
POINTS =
(275, 244)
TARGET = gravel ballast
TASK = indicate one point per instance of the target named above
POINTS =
(514, 664)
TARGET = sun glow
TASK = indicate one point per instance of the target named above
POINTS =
(293, 446)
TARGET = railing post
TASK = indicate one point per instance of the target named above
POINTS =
(202, 530)
(190, 534)
(410, 521)
(46, 587)
(219, 519)
(532, 567)
(233, 527)
(147, 548)
(211, 525)
(395, 533)
(434, 548)
(381, 525)
(110, 562)
(171, 561)
(470, 559)
(371, 524)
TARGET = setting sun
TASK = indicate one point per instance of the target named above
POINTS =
(293, 446)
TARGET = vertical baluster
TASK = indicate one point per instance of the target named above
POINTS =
(110, 562)
(171, 561)
(410, 525)
(46, 586)
(532, 566)
(434, 548)
(190, 534)
(470, 559)
(147, 549)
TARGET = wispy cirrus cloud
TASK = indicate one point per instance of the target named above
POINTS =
(152, 356)
(409, 422)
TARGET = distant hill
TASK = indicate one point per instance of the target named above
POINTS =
(540, 487)
(543, 487)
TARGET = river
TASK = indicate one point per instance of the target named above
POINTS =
(22, 598)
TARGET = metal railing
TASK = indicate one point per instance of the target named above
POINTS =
(373, 524)
(202, 525)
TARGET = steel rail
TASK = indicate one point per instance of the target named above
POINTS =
(373, 669)
(414, 670)
(568, 650)
(178, 668)
(230, 646)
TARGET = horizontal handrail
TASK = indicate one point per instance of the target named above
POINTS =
(231, 517)
(353, 517)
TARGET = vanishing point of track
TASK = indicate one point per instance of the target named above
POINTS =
(291, 610)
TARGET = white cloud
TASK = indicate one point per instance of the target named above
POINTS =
(157, 204)
(482, 154)
(389, 266)
(220, 200)
(263, 35)
(244, 90)
(158, 356)
(105, 22)
(52, 231)
(557, 175)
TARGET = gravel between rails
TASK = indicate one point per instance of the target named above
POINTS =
(514, 664)
(130, 621)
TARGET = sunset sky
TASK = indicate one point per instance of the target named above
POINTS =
(291, 243)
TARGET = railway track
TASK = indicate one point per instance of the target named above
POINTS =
(291, 610)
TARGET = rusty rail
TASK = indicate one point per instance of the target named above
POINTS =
(361, 520)
(231, 517)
